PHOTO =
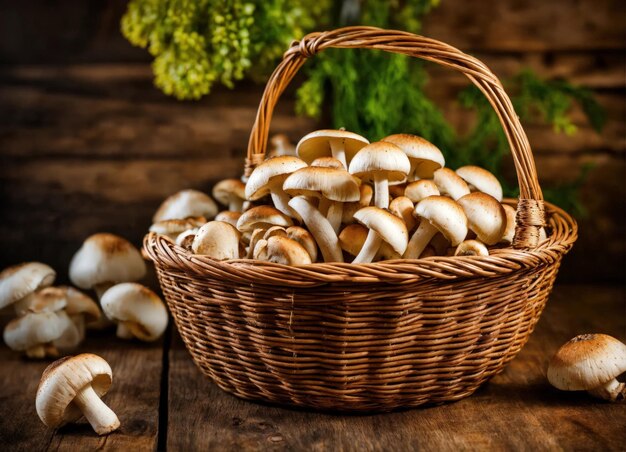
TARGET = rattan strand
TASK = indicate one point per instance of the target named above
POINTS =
(368, 337)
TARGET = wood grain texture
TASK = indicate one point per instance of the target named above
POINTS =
(517, 410)
(134, 396)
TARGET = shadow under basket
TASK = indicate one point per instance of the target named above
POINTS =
(368, 337)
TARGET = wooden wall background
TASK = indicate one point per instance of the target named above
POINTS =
(87, 144)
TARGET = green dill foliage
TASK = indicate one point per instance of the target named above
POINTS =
(196, 43)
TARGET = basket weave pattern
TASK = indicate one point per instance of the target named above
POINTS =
(369, 337)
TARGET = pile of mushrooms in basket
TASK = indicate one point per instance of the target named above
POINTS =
(336, 197)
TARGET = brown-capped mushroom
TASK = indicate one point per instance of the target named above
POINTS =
(437, 214)
(471, 248)
(281, 250)
(340, 144)
(280, 145)
(590, 362)
(230, 193)
(450, 184)
(304, 238)
(137, 310)
(485, 215)
(218, 240)
(173, 228)
(382, 163)
(403, 208)
(186, 203)
(420, 189)
(72, 387)
(424, 156)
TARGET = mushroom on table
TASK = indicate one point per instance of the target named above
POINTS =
(72, 387)
(19, 281)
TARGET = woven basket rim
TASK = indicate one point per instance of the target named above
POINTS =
(501, 261)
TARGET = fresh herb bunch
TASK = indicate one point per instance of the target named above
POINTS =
(199, 42)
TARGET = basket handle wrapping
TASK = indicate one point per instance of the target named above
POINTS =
(530, 210)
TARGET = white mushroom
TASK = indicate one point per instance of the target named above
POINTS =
(424, 156)
(218, 240)
(450, 184)
(479, 179)
(230, 193)
(72, 387)
(34, 333)
(340, 144)
(18, 281)
(137, 310)
(186, 203)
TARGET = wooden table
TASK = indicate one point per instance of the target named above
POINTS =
(164, 402)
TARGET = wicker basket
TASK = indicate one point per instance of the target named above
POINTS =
(369, 337)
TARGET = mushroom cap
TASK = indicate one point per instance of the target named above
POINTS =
(48, 299)
(20, 280)
(381, 156)
(218, 240)
(587, 362)
(63, 379)
(390, 228)
(402, 207)
(105, 257)
(176, 226)
(270, 175)
(34, 328)
(335, 184)
(79, 303)
(485, 215)
(327, 162)
(420, 189)
(317, 144)
(480, 179)
(262, 217)
(186, 203)
(281, 250)
(450, 184)
(352, 238)
(304, 238)
(471, 248)
(509, 230)
(426, 156)
(228, 216)
(446, 215)
(141, 310)
(228, 189)
(274, 230)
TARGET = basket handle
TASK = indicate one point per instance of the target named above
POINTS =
(530, 210)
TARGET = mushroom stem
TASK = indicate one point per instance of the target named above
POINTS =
(100, 416)
(281, 202)
(36, 352)
(334, 215)
(123, 332)
(612, 391)
(420, 239)
(320, 228)
(236, 205)
(381, 190)
(323, 206)
(339, 151)
(369, 249)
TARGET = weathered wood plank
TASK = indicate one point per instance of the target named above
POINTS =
(517, 410)
(134, 396)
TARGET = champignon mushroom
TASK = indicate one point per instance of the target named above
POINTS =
(511, 222)
(218, 240)
(471, 248)
(450, 184)
(186, 203)
(437, 214)
(228, 217)
(81, 309)
(479, 179)
(319, 227)
(137, 310)
(485, 215)
(382, 163)
(424, 156)
(18, 281)
(230, 193)
(340, 144)
(34, 333)
(48, 299)
(268, 178)
(281, 250)
(403, 208)
(383, 227)
(72, 387)
(592, 363)
(173, 228)
(420, 189)
(334, 186)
